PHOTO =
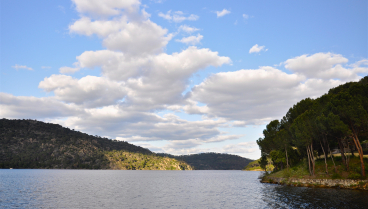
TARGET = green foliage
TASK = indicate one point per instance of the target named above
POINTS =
(263, 162)
(355, 176)
(337, 119)
(336, 176)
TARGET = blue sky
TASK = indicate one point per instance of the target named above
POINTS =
(175, 76)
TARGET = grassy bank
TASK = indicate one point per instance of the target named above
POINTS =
(301, 169)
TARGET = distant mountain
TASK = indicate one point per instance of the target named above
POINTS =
(35, 144)
(212, 161)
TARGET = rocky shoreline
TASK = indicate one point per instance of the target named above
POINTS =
(320, 183)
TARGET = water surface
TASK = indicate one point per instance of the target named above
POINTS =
(162, 189)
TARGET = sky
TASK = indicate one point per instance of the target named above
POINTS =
(180, 77)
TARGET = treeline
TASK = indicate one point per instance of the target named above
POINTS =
(212, 161)
(313, 127)
(35, 144)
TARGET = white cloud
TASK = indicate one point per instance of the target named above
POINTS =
(68, 70)
(138, 38)
(116, 122)
(105, 8)
(187, 29)
(245, 16)
(177, 16)
(89, 91)
(243, 147)
(17, 67)
(152, 81)
(191, 40)
(325, 66)
(130, 37)
(222, 13)
(35, 108)
(256, 49)
(46, 67)
(254, 96)
(103, 28)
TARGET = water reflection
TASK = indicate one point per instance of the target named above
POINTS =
(277, 196)
(162, 189)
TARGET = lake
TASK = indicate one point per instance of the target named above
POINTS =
(28, 188)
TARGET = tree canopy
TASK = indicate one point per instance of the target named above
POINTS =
(312, 127)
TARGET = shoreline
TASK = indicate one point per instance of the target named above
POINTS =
(319, 183)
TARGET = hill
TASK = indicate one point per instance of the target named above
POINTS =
(255, 166)
(35, 144)
(212, 161)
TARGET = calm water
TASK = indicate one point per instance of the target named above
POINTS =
(161, 189)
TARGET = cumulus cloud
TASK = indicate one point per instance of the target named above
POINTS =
(68, 70)
(187, 29)
(130, 37)
(137, 39)
(129, 31)
(191, 40)
(116, 122)
(17, 67)
(91, 91)
(152, 81)
(35, 108)
(325, 66)
(243, 147)
(255, 96)
(222, 13)
(177, 16)
(104, 8)
(256, 49)
(245, 16)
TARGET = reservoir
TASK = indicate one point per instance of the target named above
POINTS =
(32, 188)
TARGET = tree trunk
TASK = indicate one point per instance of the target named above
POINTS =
(342, 151)
(287, 160)
(311, 159)
(313, 162)
(360, 151)
(332, 158)
(324, 154)
(309, 165)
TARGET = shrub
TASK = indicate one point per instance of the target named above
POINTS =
(336, 176)
(354, 176)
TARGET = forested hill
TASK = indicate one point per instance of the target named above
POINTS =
(35, 144)
(212, 161)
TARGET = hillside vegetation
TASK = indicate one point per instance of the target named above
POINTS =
(212, 161)
(335, 122)
(256, 166)
(35, 144)
(336, 169)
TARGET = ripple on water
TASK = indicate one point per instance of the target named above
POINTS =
(161, 189)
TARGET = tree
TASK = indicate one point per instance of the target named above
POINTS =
(263, 162)
(351, 112)
(302, 130)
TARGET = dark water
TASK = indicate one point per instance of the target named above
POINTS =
(162, 189)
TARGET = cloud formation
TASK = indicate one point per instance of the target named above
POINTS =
(187, 29)
(256, 49)
(177, 16)
(17, 67)
(222, 13)
(325, 66)
(191, 40)
(142, 89)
